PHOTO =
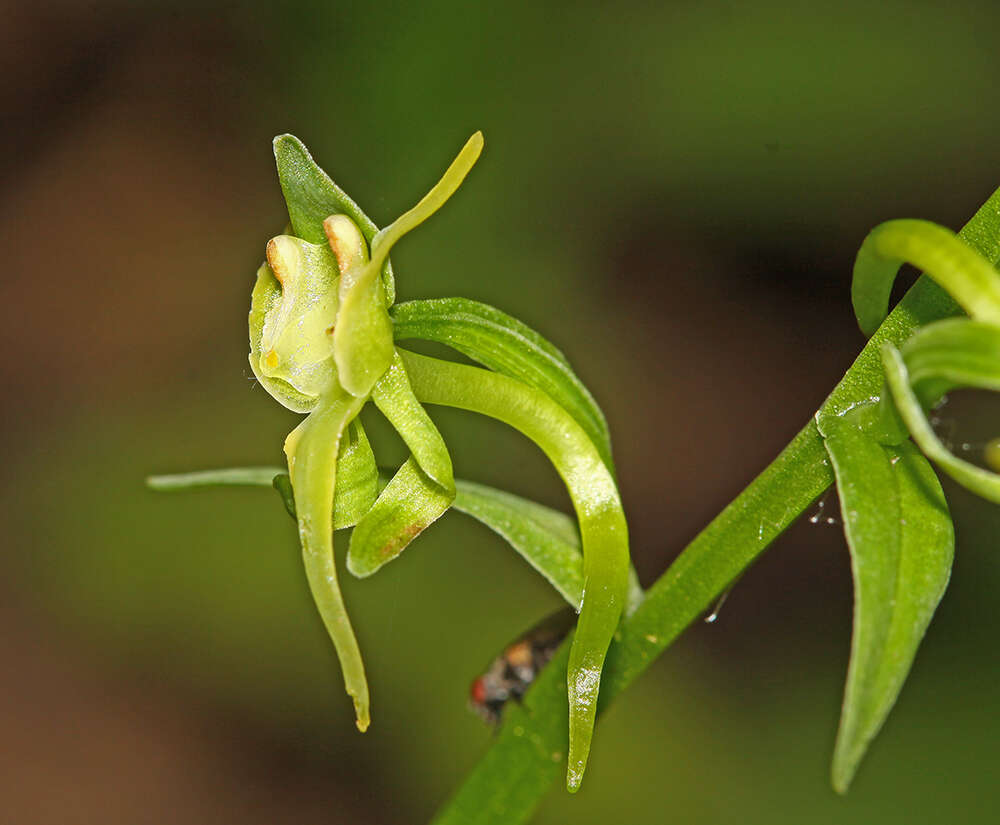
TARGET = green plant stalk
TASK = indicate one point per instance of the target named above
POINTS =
(592, 489)
(312, 463)
(510, 780)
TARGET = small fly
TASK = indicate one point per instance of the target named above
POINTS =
(510, 675)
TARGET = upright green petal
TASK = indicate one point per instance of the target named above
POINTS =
(363, 337)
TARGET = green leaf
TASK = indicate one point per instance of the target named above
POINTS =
(967, 275)
(504, 344)
(393, 395)
(950, 354)
(982, 482)
(408, 505)
(900, 536)
(312, 197)
(231, 477)
(547, 539)
(508, 783)
(530, 747)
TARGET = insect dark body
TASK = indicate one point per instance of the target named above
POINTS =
(511, 673)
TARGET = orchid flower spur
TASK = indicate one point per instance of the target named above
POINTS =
(323, 332)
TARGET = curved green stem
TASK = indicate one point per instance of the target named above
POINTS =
(595, 498)
(944, 256)
(312, 461)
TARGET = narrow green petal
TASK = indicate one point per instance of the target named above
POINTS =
(312, 460)
(393, 395)
(363, 337)
(357, 478)
(408, 505)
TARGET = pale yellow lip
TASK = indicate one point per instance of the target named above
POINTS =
(271, 359)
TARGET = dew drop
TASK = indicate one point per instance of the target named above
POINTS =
(714, 615)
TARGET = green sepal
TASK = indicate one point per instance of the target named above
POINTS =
(504, 344)
(393, 395)
(408, 505)
(901, 541)
(357, 480)
(311, 197)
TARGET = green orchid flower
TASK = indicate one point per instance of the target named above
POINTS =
(323, 334)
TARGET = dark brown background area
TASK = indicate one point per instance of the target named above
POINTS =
(673, 193)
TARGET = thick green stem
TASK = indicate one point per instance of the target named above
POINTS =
(595, 498)
(312, 462)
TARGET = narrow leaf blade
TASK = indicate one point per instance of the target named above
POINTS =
(547, 539)
(504, 344)
(230, 477)
(901, 542)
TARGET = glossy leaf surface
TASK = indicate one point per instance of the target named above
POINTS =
(502, 343)
(511, 778)
(901, 541)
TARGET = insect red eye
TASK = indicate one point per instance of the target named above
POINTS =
(477, 691)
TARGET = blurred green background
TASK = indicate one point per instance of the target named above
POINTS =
(672, 192)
